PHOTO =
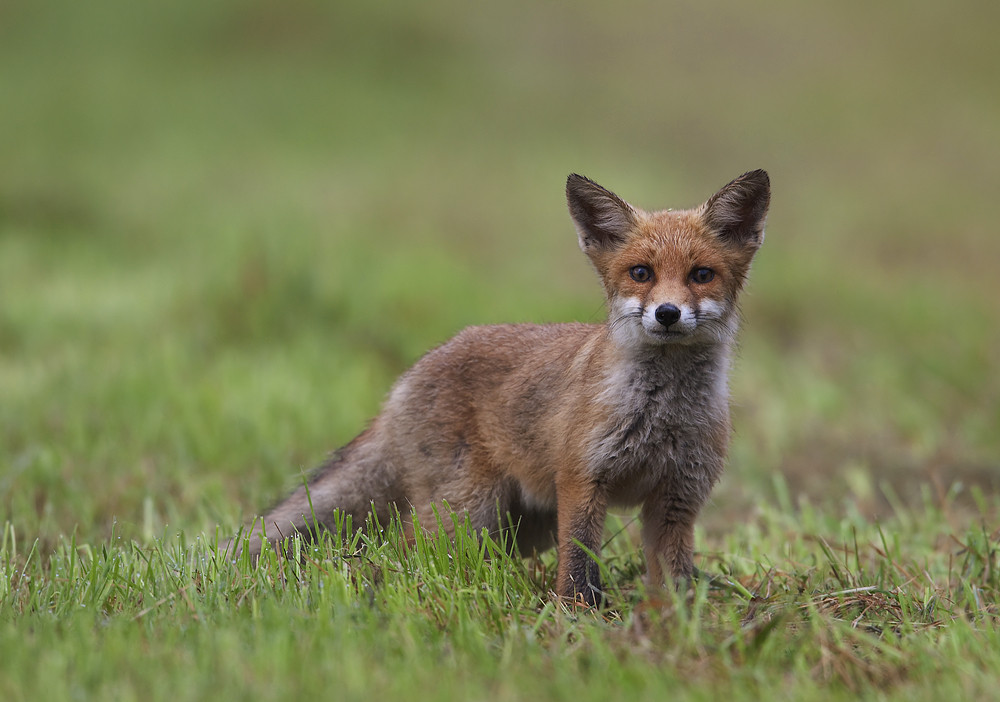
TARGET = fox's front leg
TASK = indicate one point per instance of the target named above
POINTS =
(582, 508)
(668, 517)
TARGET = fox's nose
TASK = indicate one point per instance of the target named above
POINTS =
(666, 314)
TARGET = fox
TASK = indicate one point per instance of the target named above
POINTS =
(537, 429)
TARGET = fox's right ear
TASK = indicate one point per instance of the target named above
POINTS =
(603, 220)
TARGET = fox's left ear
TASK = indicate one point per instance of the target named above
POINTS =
(737, 212)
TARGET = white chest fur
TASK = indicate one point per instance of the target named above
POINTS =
(666, 414)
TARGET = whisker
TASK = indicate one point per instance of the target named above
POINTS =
(715, 326)
(623, 318)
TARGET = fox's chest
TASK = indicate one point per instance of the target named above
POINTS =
(662, 424)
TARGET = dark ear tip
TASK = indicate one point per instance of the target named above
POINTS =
(575, 181)
(758, 177)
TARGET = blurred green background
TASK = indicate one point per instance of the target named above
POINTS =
(226, 227)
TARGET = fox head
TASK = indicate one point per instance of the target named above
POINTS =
(672, 276)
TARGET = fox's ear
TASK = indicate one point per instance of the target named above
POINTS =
(603, 220)
(736, 213)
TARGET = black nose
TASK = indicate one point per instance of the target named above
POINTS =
(667, 314)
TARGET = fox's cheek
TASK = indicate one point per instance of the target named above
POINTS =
(626, 305)
(711, 308)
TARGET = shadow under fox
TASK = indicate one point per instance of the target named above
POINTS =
(548, 425)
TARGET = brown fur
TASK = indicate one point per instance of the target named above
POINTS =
(548, 425)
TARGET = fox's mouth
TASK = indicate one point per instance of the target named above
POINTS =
(666, 335)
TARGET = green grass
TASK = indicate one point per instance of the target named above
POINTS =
(226, 228)
(806, 606)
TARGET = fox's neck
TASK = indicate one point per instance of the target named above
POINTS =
(651, 357)
(695, 373)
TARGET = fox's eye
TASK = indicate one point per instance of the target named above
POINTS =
(640, 274)
(702, 275)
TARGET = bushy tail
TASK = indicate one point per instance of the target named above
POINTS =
(348, 483)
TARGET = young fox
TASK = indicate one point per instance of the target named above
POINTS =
(540, 428)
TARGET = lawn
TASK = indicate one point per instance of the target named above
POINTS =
(225, 228)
